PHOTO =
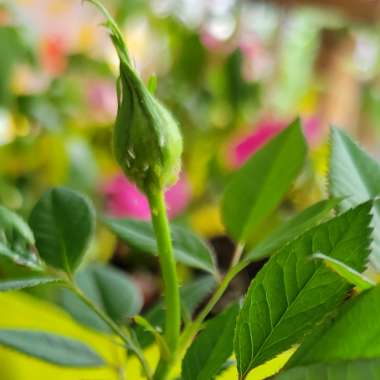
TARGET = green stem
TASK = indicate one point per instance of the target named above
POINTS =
(168, 268)
(124, 335)
(169, 274)
(191, 331)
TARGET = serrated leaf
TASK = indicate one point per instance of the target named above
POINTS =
(347, 370)
(23, 283)
(349, 274)
(353, 334)
(355, 175)
(211, 348)
(17, 240)
(293, 228)
(51, 348)
(63, 223)
(259, 186)
(110, 289)
(291, 293)
(192, 294)
(189, 248)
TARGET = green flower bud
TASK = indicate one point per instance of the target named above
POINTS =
(147, 142)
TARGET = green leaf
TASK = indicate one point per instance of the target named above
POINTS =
(355, 175)
(17, 240)
(346, 370)
(192, 294)
(51, 348)
(156, 333)
(110, 289)
(291, 293)
(63, 223)
(350, 275)
(353, 334)
(259, 186)
(189, 249)
(23, 283)
(293, 228)
(211, 348)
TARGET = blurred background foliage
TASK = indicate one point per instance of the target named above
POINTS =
(233, 72)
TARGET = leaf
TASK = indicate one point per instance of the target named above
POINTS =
(291, 293)
(350, 275)
(192, 294)
(110, 289)
(293, 228)
(9, 221)
(355, 175)
(23, 283)
(145, 324)
(17, 240)
(353, 334)
(259, 186)
(346, 370)
(51, 348)
(211, 348)
(63, 223)
(189, 249)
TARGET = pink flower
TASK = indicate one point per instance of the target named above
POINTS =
(245, 146)
(123, 199)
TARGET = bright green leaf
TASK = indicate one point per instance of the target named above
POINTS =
(110, 289)
(51, 348)
(63, 223)
(291, 293)
(260, 185)
(211, 348)
(346, 370)
(355, 175)
(353, 334)
(292, 229)
(189, 249)
(349, 274)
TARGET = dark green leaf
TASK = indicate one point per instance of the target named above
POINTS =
(110, 289)
(51, 348)
(346, 370)
(355, 175)
(353, 334)
(17, 240)
(63, 223)
(189, 249)
(22, 283)
(293, 228)
(259, 186)
(350, 275)
(291, 293)
(211, 348)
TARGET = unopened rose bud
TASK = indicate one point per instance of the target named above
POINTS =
(147, 142)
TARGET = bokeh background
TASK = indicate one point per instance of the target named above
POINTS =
(234, 73)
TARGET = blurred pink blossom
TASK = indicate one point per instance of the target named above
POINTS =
(102, 99)
(245, 146)
(123, 199)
